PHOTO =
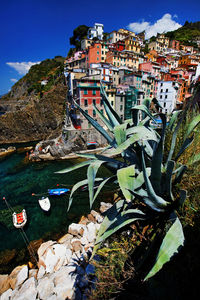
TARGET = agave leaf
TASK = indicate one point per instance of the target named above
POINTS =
(168, 183)
(91, 175)
(126, 181)
(75, 167)
(111, 113)
(173, 142)
(192, 126)
(157, 200)
(173, 119)
(183, 196)
(185, 145)
(179, 174)
(141, 133)
(120, 133)
(144, 109)
(122, 220)
(111, 214)
(96, 125)
(102, 157)
(112, 178)
(156, 165)
(157, 103)
(103, 118)
(173, 239)
(151, 205)
(77, 186)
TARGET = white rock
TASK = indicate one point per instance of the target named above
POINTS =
(53, 297)
(84, 240)
(97, 216)
(76, 229)
(91, 235)
(27, 291)
(33, 273)
(59, 250)
(21, 276)
(44, 247)
(60, 263)
(76, 244)
(63, 274)
(63, 292)
(41, 272)
(104, 206)
(68, 256)
(45, 288)
(50, 261)
(97, 226)
(6, 295)
(65, 238)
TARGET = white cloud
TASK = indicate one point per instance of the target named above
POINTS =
(166, 23)
(22, 67)
(13, 80)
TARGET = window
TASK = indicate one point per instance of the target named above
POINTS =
(166, 90)
(101, 102)
(86, 111)
(85, 102)
(94, 113)
(94, 92)
(161, 90)
(97, 52)
(112, 103)
(121, 107)
(160, 96)
(102, 111)
(161, 84)
(85, 92)
(164, 104)
(94, 101)
(165, 96)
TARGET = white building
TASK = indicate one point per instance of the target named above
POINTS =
(167, 93)
(103, 72)
(96, 31)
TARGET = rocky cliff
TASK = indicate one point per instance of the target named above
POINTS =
(34, 119)
(34, 108)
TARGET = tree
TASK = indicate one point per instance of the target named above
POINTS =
(79, 34)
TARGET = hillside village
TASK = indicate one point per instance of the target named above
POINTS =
(129, 72)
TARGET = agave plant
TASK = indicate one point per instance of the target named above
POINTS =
(141, 174)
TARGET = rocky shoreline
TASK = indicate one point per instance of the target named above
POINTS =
(63, 269)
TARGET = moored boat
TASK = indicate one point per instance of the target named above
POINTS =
(58, 192)
(19, 219)
(45, 203)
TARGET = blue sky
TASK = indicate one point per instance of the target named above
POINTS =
(33, 30)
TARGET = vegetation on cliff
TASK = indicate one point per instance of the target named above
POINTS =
(41, 78)
(187, 34)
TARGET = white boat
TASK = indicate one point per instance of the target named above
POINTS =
(19, 219)
(45, 203)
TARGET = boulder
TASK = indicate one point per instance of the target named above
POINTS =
(27, 291)
(4, 283)
(97, 216)
(76, 229)
(41, 272)
(50, 261)
(33, 273)
(13, 277)
(65, 238)
(76, 245)
(104, 206)
(43, 247)
(6, 295)
(45, 288)
(91, 232)
(22, 276)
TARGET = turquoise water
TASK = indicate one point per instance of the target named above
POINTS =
(20, 178)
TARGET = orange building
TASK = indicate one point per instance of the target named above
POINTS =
(93, 54)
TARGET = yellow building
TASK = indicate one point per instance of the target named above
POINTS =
(132, 44)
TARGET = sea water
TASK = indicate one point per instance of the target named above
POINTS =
(19, 178)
